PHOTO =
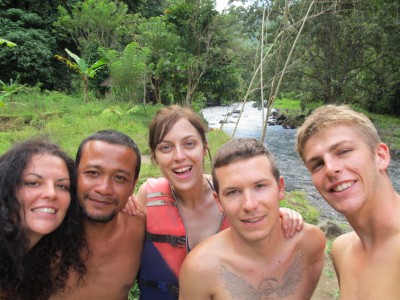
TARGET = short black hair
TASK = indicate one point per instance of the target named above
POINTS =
(113, 137)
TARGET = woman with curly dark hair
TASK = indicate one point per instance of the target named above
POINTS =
(41, 233)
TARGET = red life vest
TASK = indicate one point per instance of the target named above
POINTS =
(166, 240)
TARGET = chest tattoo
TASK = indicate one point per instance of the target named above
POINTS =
(269, 287)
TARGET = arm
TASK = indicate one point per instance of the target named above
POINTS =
(314, 244)
(292, 221)
(338, 247)
(195, 279)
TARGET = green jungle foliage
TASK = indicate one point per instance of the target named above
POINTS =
(189, 53)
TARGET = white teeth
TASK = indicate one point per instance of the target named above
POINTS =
(45, 210)
(253, 220)
(182, 170)
(342, 187)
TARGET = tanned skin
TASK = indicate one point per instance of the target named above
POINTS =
(105, 181)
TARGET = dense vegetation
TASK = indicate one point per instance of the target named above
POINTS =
(184, 51)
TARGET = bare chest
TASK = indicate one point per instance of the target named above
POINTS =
(373, 277)
(112, 270)
(284, 279)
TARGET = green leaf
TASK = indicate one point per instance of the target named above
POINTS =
(8, 43)
(74, 56)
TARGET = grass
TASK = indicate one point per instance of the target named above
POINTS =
(297, 201)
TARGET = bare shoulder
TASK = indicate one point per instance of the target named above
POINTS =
(210, 246)
(312, 241)
(312, 235)
(199, 277)
(344, 241)
(133, 225)
(207, 254)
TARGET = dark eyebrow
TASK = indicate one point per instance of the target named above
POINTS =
(41, 177)
(98, 167)
(190, 136)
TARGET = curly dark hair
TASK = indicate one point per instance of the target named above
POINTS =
(43, 270)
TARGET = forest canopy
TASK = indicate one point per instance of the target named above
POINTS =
(186, 52)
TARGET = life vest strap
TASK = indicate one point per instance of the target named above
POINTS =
(174, 240)
(162, 286)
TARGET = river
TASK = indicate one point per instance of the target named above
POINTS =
(281, 142)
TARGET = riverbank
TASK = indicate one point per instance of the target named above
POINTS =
(289, 114)
(281, 141)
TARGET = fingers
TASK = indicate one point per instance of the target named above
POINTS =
(132, 206)
(292, 221)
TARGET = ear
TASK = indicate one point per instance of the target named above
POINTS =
(382, 156)
(216, 198)
(205, 149)
(154, 158)
(281, 187)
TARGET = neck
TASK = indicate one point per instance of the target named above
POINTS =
(376, 223)
(194, 196)
(94, 230)
(266, 249)
(33, 240)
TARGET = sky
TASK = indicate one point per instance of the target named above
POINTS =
(221, 4)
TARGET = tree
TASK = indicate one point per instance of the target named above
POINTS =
(83, 69)
(129, 72)
(194, 23)
(352, 56)
(165, 46)
(31, 61)
(97, 23)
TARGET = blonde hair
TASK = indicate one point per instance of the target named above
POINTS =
(333, 115)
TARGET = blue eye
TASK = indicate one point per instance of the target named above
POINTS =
(165, 148)
(190, 144)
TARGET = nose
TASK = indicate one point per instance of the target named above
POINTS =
(249, 201)
(103, 186)
(332, 166)
(49, 191)
(179, 153)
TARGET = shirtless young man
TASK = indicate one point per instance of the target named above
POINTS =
(252, 259)
(108, 164)
(348, 165)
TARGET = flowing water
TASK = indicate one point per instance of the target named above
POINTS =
(281, 142)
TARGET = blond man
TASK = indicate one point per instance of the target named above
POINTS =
(348, 165)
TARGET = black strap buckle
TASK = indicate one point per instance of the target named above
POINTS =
(174, 240)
